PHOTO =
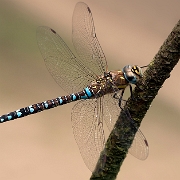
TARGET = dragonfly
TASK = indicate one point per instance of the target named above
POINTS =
(87, 80)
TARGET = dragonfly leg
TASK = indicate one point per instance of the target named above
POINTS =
(120, 98)
(130, 87)
(130, 118)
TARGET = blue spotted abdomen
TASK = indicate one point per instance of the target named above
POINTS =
(35, 108)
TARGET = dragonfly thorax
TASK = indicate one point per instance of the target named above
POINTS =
(119, 80)
(132, 73)
(102, 85)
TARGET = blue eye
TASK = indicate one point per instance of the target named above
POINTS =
(131, 79)
(129, 75)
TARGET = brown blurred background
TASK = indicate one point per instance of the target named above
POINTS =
(42, 146)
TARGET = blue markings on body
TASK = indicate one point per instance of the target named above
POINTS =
(2, 120)
(73, 97)
(9, 117)
(31, 109)
(88, 92)
(84, 97)
(60, 100)
(19, 114)
(45, 104)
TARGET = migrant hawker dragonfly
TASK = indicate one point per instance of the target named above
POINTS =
(86, 78)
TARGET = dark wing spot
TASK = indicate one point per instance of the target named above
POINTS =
(146, 142)
(89, 9)
(53, 31)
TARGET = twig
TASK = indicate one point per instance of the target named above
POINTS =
(118, 143)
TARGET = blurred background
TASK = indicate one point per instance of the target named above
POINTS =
(42, 146)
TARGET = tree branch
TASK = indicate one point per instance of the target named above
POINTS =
(118, 143)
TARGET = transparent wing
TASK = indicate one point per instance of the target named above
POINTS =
(111, 110)
(72, 73)
(88, 130)
(65, 68)
(139, 147)
(85, 40)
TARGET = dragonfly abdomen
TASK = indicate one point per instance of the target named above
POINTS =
(38, 107)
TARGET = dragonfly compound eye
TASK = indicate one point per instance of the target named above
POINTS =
(131, 78)
(132, 73)
(137, 70)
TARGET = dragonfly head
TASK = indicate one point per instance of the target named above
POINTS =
(132, 73)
